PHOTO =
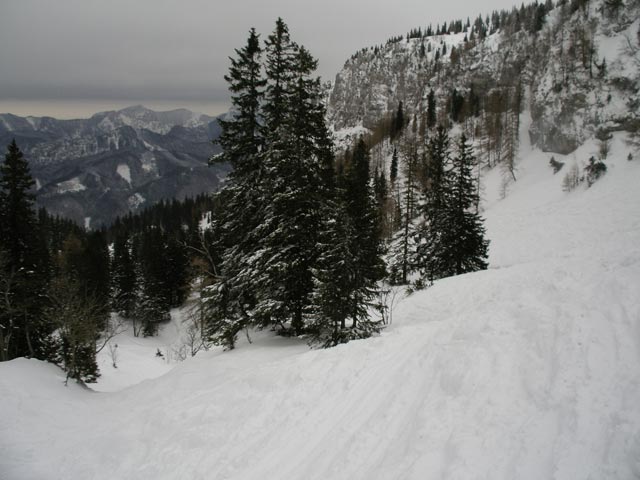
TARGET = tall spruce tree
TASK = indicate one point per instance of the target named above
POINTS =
(463, 246)
(403, 242)
(452, 236)
(153, 298)
(240, 135)
(350, 262)
(296, 155)
(397, 123)
(270, 236)
(26, 260)
(334, 275)
(17, 212)
(230, 296)
(123, 275)
(436, 195)
(367, 245)
(431, 109)
(393, 174)
(177, 268)
(280, 59)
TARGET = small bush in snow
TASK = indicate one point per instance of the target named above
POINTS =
(594, 170)
(556, 165)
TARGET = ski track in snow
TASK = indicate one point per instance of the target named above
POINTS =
(529, 370)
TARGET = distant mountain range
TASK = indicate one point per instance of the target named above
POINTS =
(93, 170)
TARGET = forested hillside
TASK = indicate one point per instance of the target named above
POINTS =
(574, 64)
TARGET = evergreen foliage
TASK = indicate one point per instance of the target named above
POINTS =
(394, 165)
(431, 109)
(463, 246)
(594, 170)
(451, 236)
(350, 264)
(17, 211)
(240, 136)
(281, 224)
(123, 278)
(294, 189)
(25, 260)
(398, 122)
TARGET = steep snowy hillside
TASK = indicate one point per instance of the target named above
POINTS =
(580, 61)
(528, 370)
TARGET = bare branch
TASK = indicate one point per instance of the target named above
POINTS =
(113, 329)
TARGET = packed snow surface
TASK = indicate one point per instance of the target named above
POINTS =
(529, 370)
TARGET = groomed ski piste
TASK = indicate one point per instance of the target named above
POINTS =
(529, 370)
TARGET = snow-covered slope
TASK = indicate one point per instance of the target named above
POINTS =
(529, 370)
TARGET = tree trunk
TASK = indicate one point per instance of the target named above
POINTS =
(32, 353)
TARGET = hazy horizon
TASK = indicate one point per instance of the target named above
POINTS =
(73, 58)
(76, 109)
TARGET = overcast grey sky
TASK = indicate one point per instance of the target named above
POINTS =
(72, 58)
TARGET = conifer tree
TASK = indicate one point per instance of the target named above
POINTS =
(9, 311)
(280, 60)
(438, 155)
(240, 135)
(334, 275)
(431, 109)
(25, 257)
(381, 194)
(361, 207)
(152, 294)
(177, 269)
(295, 162)
(271, 244)
(350, 264)
(17, 213)
(123, 276)
(452, 235)
(410, 200)
(394, 165)
(95, 272)
(437, 192)
(397, 123)
(242, 198)
(463, 247)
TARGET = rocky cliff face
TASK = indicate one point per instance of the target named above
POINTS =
(576, 66)
(114, 162)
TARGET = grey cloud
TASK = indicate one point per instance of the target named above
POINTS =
(179, 49)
